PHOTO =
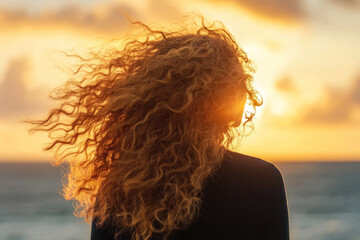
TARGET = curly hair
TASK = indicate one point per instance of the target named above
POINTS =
(142, 126)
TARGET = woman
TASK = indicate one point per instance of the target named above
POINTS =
(148, 127)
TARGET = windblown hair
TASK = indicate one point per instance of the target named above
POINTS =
(142, 126)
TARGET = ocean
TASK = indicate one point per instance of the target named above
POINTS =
(323, 198)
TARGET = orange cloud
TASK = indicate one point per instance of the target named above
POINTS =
(285, 84)
(15, 98)
(339, 107)
(107, 19)
(348, 3)
(166, 9)
(277, 10)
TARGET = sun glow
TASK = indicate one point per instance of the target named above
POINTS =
(318, 55)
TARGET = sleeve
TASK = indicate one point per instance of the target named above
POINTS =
(99, 233)
(275, 222)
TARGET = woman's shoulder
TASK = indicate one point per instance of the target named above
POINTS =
(242, 167)
(239, 160)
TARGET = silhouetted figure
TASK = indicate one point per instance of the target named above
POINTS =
(146, 129)
(245, 199)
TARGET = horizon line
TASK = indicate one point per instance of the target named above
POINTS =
(308, 160)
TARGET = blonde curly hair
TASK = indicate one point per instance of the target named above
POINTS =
(143, 126)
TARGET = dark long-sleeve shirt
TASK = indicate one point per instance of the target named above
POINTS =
(245, 200)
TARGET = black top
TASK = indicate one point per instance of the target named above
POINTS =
(245, 200)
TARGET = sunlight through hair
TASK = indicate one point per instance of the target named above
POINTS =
(142, 126)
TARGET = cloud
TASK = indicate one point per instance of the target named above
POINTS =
(164, 8)
(348, 3)
(15, 98)
(103, 18)
(275, 9)
(285, 84)
(339, 106)
(108, 19)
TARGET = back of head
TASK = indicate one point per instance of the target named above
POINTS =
(149, 123)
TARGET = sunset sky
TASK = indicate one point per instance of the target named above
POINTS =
(306, 53)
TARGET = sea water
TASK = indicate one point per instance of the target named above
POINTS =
(323, 198)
